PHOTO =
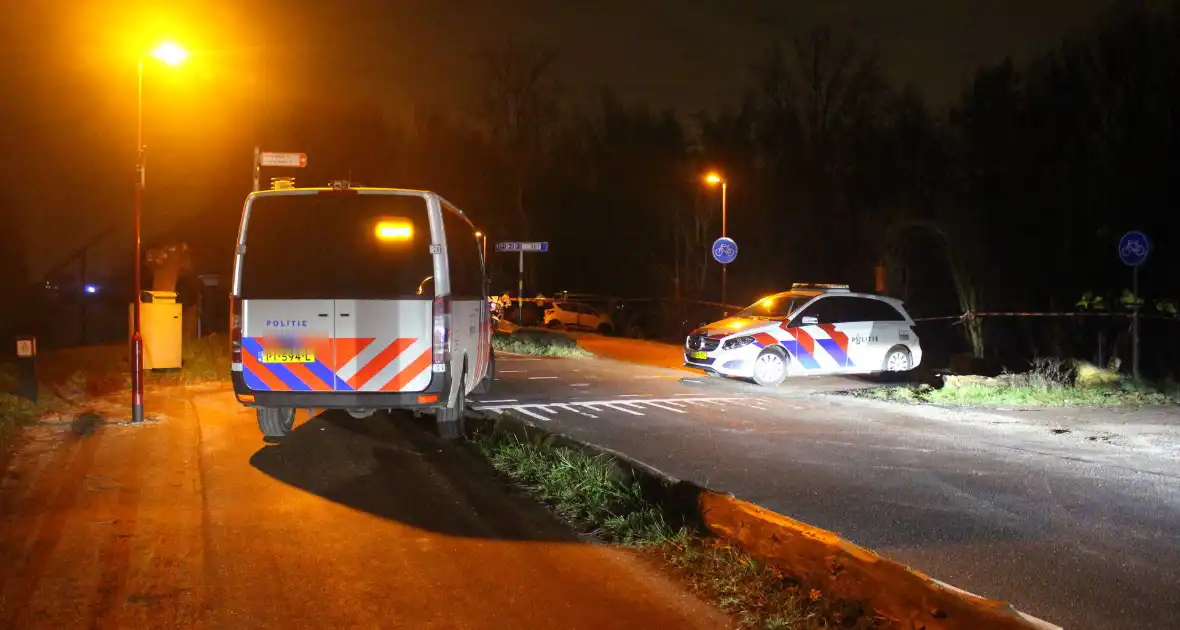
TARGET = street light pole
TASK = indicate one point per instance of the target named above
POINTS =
(136, 332)
(172, 55)
(724, 187)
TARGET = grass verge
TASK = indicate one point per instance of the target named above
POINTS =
(599, 496)
(14, 414)
(541, 343)
(1049, 383)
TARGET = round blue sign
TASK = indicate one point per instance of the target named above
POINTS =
(724, 250)
(1133, 248)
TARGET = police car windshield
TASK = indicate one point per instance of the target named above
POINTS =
(337, 246)
(772, 307)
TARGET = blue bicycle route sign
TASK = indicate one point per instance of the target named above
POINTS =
(1133, 248)
(725, 250)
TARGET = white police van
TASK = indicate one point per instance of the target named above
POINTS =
(811, 329)
(358, 299)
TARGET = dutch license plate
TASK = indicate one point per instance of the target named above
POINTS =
(699, 355)
(288, 356)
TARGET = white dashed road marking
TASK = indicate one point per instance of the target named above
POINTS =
(629, 405)
(542, 378)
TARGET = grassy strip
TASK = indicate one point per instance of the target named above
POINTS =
(1050, 383)
(599, 497)
(14, 414)
(541, 343)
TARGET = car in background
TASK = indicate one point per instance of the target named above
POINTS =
(812, 329)
(578, 315)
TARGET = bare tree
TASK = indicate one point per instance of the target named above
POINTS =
(519, 107)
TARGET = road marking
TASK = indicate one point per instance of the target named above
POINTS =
(509, 371)
(579, 384)
(542, 378)
(689, 380)
(629, 395)
(627, 405)
(667, 407)
(492, 402)
(531, 414)
(575, 410)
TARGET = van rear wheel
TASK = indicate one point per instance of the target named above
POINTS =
(276, 422)
(485, 385)
(450, 421)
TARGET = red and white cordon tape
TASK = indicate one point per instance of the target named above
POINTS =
(973, 314)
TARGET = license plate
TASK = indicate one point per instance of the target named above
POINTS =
(699, 355)
(288, 356)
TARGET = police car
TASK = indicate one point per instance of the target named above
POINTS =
(358, 299)
(811, 329)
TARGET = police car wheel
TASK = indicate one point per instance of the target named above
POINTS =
(898, 359)
(770, 368)
(276, 422)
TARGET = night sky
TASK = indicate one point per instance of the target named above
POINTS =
(69, 144)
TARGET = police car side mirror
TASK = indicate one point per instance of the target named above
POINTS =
(808, 320)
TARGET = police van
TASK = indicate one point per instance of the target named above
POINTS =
(358, 299)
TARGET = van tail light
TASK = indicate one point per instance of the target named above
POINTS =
(441, 339)
(235, 328)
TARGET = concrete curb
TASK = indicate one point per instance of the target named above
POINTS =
(818, 558)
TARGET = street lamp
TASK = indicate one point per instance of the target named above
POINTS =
(713, 179)
(483, 238)
(173, 55)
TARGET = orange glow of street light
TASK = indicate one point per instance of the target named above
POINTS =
(713, 179)
(478, 234)
(170, 53)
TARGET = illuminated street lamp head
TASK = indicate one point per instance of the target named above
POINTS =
(478, 234)
(713, 179)
(170, 53)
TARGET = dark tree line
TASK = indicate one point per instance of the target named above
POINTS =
(1014, 196)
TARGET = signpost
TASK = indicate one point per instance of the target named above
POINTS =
(1133, 249)
(725, 251)
(270, 158)
(521, 247)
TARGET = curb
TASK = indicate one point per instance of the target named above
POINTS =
(817, 557)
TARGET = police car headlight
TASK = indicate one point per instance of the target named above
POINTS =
(737, 342)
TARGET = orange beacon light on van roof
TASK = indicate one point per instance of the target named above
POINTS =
(394, 230)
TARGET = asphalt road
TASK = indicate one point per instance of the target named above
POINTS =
(190, 521)
(1084, 533)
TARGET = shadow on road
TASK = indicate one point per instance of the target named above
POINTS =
(394, 468)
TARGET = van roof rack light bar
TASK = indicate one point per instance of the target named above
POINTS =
(812, 286)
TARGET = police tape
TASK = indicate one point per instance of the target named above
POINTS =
(973, 314)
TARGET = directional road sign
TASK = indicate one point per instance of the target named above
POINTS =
(725, 250)
(517, 246)
(1133, 248)
(297, 160)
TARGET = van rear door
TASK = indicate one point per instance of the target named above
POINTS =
(331, 279)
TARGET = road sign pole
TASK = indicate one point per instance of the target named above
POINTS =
(1134, 247)
(520, 293)
(1135, 323)
(724, 267)
(257, 167)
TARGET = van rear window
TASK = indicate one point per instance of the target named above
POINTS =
(337, 246)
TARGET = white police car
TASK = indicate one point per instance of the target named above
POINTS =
(811, 329)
